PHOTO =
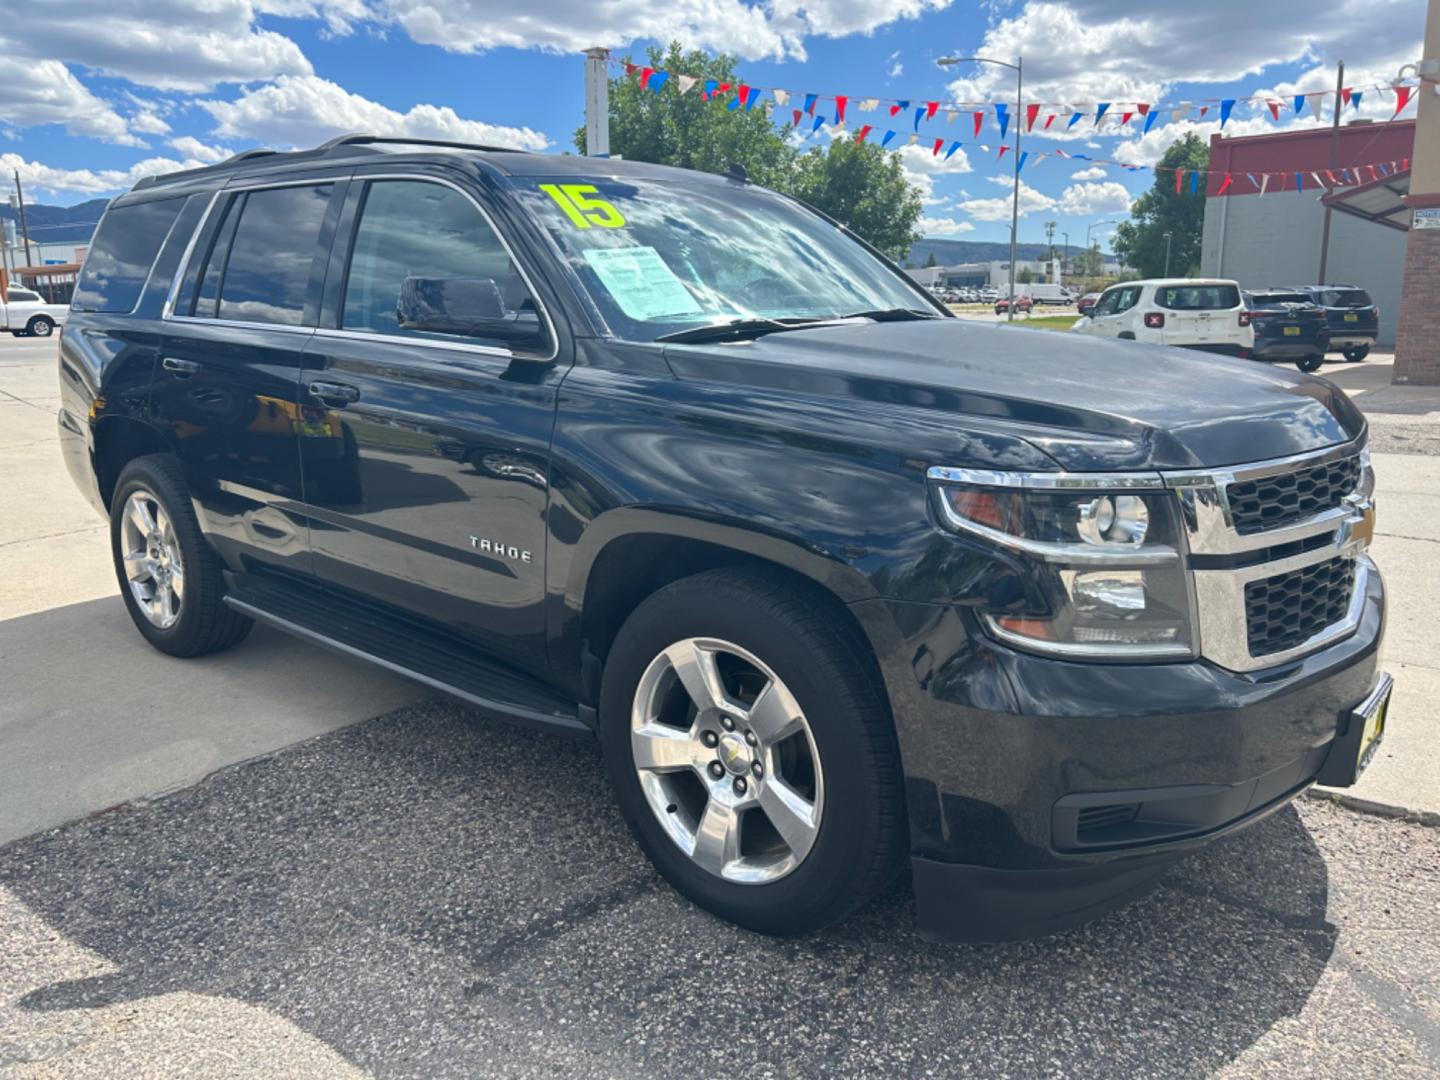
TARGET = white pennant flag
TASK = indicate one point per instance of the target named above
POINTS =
(686, 82)
(1177, 115)
(950, 115)
(781, 96)
(1318, 182)
(912, 140)
(869, 104)
(1264, 182)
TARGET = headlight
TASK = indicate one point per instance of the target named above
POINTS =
(1095, 564)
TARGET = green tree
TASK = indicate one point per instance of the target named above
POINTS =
(859, 185)
(930, 260)
(1140, 242)
(1025, 276)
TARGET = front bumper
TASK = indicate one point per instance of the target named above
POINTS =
(1004, 752)
(1291, 349)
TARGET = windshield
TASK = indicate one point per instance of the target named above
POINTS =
(659, 256)
(1198, 297)
(1345, 298)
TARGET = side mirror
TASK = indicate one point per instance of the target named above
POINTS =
(468, 306)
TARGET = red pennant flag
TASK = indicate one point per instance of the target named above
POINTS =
(1405, 164)
(1178, 174)
(864, 130)
(840, 109)
(930, 108)
(1143, 108)
(1125, 118)
(1274, 109)
(629, 68)
(1049, 120)
(645, 74)
(1002, 151)
(894, 109)
(743, 93)
(1031, 111)
(1402, 98)
(797, 114)
(938, 144)
(722, 88)
(1345, 94)
(1373, 174)
(1330, 175)
(1203, 110)
(979, 120)
(1225, 184)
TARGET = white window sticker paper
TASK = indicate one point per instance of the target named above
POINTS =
(640, 282)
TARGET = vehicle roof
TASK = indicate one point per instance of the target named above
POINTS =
(353, 149)
(1181, 281)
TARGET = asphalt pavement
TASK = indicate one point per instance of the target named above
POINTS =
(430, 895)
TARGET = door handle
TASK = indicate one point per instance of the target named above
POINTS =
(333, 392)
(179, 366)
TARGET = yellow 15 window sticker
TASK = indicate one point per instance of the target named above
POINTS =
(582, 208)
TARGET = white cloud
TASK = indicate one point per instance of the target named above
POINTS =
(998, 209)
(39, 177)
(35, 92)
(149, 123)
(1085, 199)
(896, 68)
(922, 166)
(944, 226)
(302, 110)
(1095, 172)
(196, 150)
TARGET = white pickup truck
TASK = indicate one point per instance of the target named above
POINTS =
(25, 312)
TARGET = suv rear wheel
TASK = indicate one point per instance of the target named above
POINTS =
(169, 577)
(1357, 353)
(750, 752)
(1312, 362)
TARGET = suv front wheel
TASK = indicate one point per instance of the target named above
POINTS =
(750, 752)
(170, 578)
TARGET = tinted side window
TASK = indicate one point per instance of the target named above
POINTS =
(1198, 297)
(263, 274)
(23, 294)
(122, 253)
(413, 229)
(1127, 298)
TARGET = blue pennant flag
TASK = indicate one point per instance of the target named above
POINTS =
(1081, 157)
(1150, 120)
(711, 85)
(1194, 181)
(819, 122)
(918, 114)
(657, 80)
(1299, 103)
(1020, 162)
(1251, 175)
(1225, 107)
(1074, 119)
(1299, 182)
(953, 147)
(1355, 99)
(886, 140)
(733, 104)
(1100, 112)
(1002, 116)
(1384, 169)
(754, 96)
(810, 100)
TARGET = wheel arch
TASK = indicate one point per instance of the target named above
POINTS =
(118, 441)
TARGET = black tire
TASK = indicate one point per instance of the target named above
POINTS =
(862, 837)
(1357, 353)
(205, 623)
(41, 326)
(1310, 363)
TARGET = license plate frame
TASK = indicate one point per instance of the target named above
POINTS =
(1354, 748)
(1352, 317)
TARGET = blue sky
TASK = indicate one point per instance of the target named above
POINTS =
(94, 95)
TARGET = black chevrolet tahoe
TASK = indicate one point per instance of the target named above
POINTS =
(838, 582)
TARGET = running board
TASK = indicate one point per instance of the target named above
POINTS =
(406, 649)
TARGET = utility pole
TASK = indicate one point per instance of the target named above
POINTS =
(1334, 143)
(1167, 255)
(20, 208)
(597, 102)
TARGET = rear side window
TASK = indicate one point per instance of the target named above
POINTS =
(122, 253)
(23, 294)
(1198, 297)
(1350, 298)
(262, 275)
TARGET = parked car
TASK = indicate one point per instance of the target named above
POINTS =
(25, 313)
(1022, 304)
(1288, 326)
(1086, 302)
(1353, 318)
(1194, 313)
(837, 591)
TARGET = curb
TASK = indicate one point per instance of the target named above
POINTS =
(1428, 818)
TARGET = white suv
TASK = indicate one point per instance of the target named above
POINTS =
(1194, 313)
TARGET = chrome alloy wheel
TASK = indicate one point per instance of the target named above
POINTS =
(151, 554)
(727, 761)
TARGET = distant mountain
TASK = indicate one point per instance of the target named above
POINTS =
(951, 252)
(58, 224)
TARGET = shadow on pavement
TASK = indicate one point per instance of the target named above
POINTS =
(432, 895)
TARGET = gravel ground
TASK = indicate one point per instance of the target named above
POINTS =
(429, 895)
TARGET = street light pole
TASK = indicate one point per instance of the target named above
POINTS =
(1167, 254)
(1017, 67)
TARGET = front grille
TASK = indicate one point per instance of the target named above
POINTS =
(1272, 502)
(1286, 610)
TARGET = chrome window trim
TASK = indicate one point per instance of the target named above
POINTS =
(288, 328)
(429, 343)
(423, 178)
(1054, 481)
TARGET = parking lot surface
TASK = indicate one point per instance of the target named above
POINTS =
(429, 895)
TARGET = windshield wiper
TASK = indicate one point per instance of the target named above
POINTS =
(894, 314)
(737, 329)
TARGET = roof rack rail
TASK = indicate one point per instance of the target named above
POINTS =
(246, 155)
(361, 138)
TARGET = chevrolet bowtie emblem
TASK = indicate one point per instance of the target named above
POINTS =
(1357, 531)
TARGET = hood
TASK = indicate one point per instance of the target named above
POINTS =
(1089, 403)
